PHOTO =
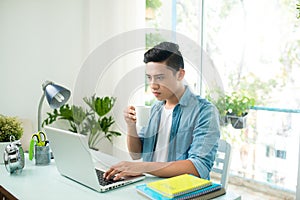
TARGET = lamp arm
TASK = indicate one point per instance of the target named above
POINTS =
(40, 112)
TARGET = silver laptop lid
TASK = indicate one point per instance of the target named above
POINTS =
(73, 159)
(72, 156)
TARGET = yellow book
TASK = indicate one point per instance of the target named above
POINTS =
(178, 185)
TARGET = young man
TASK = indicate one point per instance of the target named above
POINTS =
(183, 131)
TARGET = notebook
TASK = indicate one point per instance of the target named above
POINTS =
(74, 160)
(178, 185)
(211, 195)
(208, 192)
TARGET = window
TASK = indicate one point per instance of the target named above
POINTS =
(255, 46)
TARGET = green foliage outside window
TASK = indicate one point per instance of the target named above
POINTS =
(298, 7)
(154, 4)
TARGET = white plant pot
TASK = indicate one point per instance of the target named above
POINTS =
(2, 148)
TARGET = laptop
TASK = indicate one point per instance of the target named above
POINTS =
(76, 161)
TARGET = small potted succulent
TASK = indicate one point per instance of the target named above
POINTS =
(9, 126)
(233, 108)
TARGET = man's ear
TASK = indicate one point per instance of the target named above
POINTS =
(180, 74)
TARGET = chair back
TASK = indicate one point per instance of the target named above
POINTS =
(222, 162)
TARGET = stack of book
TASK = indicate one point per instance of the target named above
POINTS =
(184, 186)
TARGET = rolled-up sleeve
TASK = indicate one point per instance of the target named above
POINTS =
(206, 135)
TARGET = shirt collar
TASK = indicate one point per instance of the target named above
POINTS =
(184, 100)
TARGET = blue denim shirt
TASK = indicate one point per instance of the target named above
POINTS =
(194, 132)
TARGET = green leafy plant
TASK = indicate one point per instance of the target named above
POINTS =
(232, 108)
(10, 126)
(93, 121)
(232, 104)
(238, 104)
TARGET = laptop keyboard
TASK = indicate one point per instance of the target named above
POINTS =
(103, 181)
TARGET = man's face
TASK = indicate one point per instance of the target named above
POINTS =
(163, 80)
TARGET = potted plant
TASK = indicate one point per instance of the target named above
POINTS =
(233, 108)
(93, 122)
(237, 108)
(9, 126)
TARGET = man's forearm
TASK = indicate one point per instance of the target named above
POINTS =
(133, 143)
(160, 169)
(170, 169)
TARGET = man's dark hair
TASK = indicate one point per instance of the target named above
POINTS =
(165, 52)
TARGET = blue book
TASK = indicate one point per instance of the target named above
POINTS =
(214, 190)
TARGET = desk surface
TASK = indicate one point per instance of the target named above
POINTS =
(45, 182)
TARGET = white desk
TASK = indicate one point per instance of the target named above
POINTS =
(45, 182)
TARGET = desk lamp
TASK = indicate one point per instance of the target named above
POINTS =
(56, 96)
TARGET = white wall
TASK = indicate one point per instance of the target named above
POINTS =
(50, 40)
(108, 19)
(40, 40)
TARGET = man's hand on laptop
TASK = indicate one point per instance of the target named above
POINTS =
(124, 169)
